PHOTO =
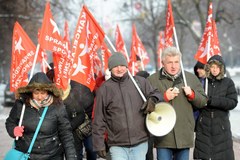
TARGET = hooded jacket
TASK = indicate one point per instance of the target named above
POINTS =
(213, 131)
(55, 136)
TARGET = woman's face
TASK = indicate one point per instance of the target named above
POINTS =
(40, 95)
(215, 70)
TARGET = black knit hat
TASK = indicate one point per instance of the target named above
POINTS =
(198, 65)
(144, 74)
(117, 59)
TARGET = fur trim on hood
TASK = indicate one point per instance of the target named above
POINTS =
(39, 81)
(216, 59)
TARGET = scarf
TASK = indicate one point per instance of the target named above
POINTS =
(172, 77)
(46, 102)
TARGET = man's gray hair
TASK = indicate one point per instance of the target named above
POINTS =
(170, 51)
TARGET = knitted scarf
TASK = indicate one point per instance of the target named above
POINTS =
(172, 77)
(46, 102)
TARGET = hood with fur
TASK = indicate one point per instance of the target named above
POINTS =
(216, 59)
(40, 81)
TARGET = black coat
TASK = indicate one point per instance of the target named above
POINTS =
(213, 131)
(78, 102)
(54, 136)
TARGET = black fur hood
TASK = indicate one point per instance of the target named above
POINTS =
(216, 59)
(40, 81)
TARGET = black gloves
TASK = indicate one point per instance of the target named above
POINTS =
(102, 154)
(209, 101)
(149, 105)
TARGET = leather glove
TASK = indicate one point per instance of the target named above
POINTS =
(102, 153)
(18, 131)
(149, 105)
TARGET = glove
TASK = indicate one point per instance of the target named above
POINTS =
(149, 105)
(209, 102)
(18, 131)
(102, 154)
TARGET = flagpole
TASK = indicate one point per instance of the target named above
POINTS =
(24, 106)
(130, 75)
(176, 41)
(49, 67)
(208, 50)
(126, 53)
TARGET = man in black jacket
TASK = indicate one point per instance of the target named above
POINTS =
(118, 111)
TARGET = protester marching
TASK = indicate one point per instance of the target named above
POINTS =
(93, 95)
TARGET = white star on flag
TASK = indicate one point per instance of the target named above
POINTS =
(18, 45)
(55, 28)
(79, 68)
(204, 53)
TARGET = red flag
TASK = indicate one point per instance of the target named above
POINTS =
(160, 48)
(97, 65)
(87, 39)
(138, 49)
(120, 45)
(62, 66)
(66, 32)
(216, 46)
(133, 67)
(43, 56)
(50, 38)
(209, 41)
(168, 34)
(106, 53)
(23, 51)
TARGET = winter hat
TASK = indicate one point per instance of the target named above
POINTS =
(117, 59)
(218, 60)
(42, 82)
(144, 74)
(198, 65)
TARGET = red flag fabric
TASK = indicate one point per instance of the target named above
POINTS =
(168, 34)
(120, 45)
(43, 56)
(106, 53)
(209, 45)
(138, 49)
(88, 37)
(160, 48)
(216, 46)
(97, 65)
(23, 52)
(133, 67)
(66, 32)
(62, 66)
(50, 38)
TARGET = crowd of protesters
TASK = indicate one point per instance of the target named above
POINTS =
(118, 113)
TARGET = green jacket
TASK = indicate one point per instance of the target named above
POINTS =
(182, 135)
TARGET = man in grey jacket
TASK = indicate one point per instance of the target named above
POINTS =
(169, 80)
(120, 111)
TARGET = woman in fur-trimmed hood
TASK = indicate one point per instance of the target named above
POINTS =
(217, 60)
(38, 82)
(213, 129)
(55, 138)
